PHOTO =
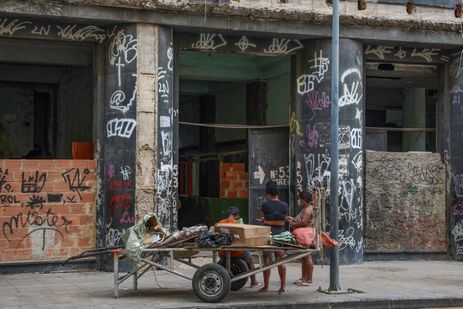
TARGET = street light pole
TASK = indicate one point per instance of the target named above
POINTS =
(334, 212)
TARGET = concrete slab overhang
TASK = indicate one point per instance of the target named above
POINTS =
(307, 24)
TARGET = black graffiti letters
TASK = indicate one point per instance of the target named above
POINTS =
(8, 199)
(4, 185)
(73, 178)
(48, 220)
(35, 201)
(33, 183)
(54, 198)
(71, 199)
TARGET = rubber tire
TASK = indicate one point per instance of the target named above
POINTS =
(237, 266)
(217, 271)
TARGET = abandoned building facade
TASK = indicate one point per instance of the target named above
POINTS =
(112, 109)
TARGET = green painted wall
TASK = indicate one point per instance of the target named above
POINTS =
(279, 99)
(231, 109)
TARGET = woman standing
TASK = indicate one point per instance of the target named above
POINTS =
(275, 212)
(304, 220)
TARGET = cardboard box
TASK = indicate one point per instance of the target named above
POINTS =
(245, 234)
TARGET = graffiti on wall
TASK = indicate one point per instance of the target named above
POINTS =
(39, 210)
(428, 55)
(122, 51)
(167, 168)
(117, 205)
(11, 27)
(405, 205)
(221, 42)
(313, 159)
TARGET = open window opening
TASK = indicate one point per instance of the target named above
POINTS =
(227, 93)
(46, 98)
(401, 104)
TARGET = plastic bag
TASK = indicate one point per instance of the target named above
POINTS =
(327, 241)
(212, 240)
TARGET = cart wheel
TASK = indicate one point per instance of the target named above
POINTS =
(237, 266)
(211, 283)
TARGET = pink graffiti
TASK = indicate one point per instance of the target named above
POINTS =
(126, 218)
(458, 209)
(315, 101)
(110, 170)
(310, 140)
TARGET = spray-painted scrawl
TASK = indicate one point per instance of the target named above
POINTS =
(353, 91)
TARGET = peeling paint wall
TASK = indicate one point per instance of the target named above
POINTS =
(146, 117)
(47, 209)
(405, 197)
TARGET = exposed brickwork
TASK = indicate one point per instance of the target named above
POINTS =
(234, 180)
(47, 209)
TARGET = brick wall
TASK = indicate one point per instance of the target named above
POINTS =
(234, 180)
(47, 209)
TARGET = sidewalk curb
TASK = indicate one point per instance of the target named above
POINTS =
(373, 304)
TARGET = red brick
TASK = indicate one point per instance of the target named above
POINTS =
(235, 185)
(224, 184)
(222, 193)
(89, 177)
(231, 194)
(64, 164)
(61, 188)
(85, 242)
(83, 164)
(88, 197)
(224, 167)
(31, 165)
(239, 167)
(13, 164)
(15, 187)
(16, 255)
(14, 174)
(242, 175)
(77, 208)
(92, 164)
(243, 194)
(86, 219)
(230, 175)
(54, 176)
(48, 187)
(10, 211)
(46, 165)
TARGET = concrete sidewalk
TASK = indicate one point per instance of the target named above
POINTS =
(398, 284)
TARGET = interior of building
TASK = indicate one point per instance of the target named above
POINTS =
(46, 97)
(229, 90)
(401, 99)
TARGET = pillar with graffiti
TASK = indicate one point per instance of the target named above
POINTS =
(310, 134)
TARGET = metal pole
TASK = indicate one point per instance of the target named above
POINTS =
(334, 221)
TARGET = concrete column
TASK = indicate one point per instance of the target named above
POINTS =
(455, 101)
(166, 130)
(414, 116)
(310, 134)
(146, 119)
(116, 138)
(157, 131)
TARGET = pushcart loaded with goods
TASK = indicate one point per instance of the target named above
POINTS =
(153, 248)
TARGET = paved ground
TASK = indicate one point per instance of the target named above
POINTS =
(398, 284)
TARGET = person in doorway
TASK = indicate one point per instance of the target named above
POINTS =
(275, 212)
(304, 220)
(234, 217)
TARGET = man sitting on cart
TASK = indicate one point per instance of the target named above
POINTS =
(234, 217)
